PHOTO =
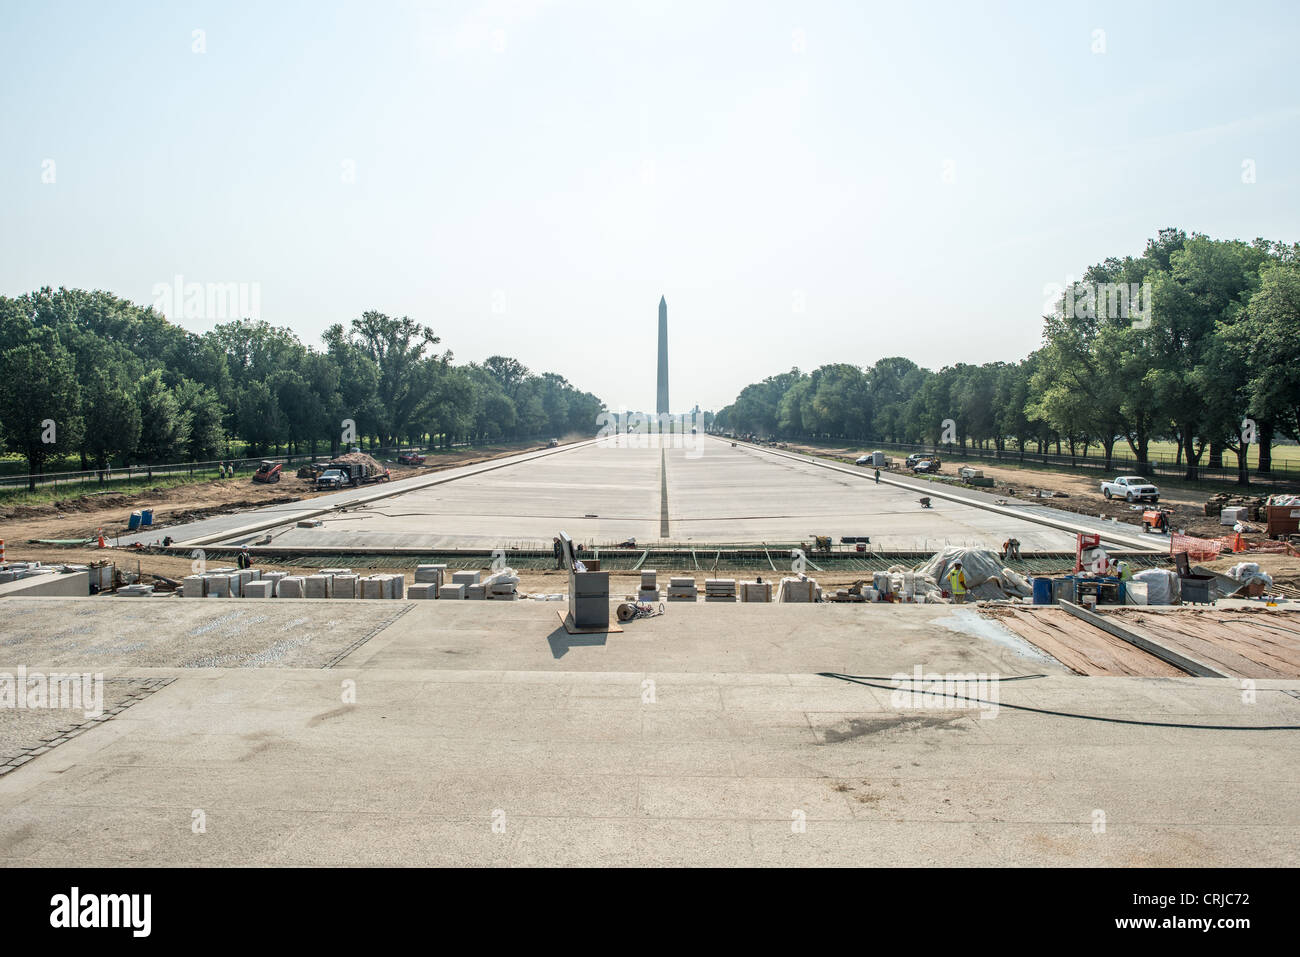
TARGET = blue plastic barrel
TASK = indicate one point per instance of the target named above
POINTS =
(134, 523)
(1042, 591)
(146, 517)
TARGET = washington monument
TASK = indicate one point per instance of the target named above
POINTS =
(661, 404)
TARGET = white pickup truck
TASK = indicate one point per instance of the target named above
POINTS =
(1131, 488)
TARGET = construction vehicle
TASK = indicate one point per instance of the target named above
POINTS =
(268, 472)
(359, 468)
(1157, 520)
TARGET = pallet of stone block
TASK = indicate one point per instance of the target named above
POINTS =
(719, 589)
(650, 596)
(346, 586)
(290, 586)
(649, 579)
(218, 586)
(193, 586)
(456, 590)
(422, 590)
(318, 586)
(430, 573)
(756, 591)
(465, 577)
(475, 592)
(259, 589)
(801, 590)
(135, 591)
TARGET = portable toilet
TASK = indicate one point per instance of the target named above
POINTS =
(134, 522)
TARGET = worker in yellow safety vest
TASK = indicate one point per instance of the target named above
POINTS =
(1125, 572)
(957, 583)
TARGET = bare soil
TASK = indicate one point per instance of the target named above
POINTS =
(82, 516)
(1082, 492)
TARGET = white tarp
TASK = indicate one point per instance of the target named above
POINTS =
(986, 577)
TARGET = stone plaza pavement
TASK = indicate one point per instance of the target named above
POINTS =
(480, 733)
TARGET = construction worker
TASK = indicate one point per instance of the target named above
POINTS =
(1011, 549)
(1125, 571)
(558, 549)
(244, 561)
(877, 476)
(957, 583)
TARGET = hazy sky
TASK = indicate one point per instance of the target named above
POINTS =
(805, 182)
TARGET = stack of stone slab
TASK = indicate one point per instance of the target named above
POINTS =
(682, 589)
(453, 591)
(719, 589)
(290, 586)
(345, 584)
(318, 586)
(135, 591)
(801, 589)
(427, 590)
(756, 591)
(430, 575)
(262, 588)
(650, 585)
(16, 571)
(476, 592)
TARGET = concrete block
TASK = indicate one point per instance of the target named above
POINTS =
(345, 586)
(430, 573)
(475, 592)
(193, 586)
(290, 586)
(218, 586)
(372, 586)
(423, 590)
(452, 591)
(318, 586)
(466, 577)
(259, 589)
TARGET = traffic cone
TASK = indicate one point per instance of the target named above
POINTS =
(100, 534)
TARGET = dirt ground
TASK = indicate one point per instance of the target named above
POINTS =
(79, 518)
(1083, 492)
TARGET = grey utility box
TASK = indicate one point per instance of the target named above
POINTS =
(588, 591)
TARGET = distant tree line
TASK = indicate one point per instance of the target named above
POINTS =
(91, 375)
(1214, 357)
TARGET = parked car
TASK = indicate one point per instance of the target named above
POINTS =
(1132, 488)
(914, 458)
(926, 466)
(862, 460)
(410, 458)
(332, 478)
